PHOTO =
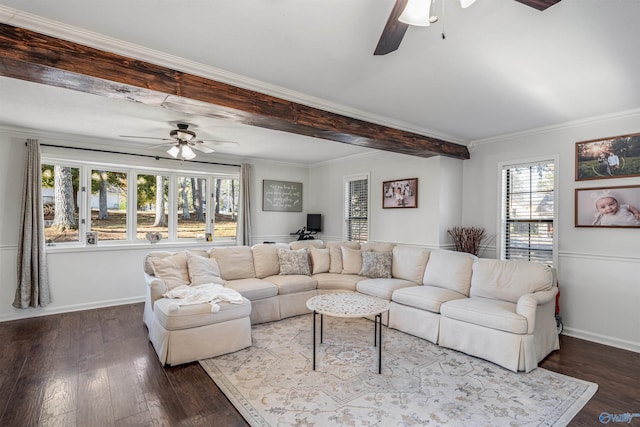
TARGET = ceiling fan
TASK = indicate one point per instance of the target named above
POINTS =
(395, 28)
(182, 142)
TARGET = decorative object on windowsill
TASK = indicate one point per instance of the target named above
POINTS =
(468, 239)
(92, 238)
(154, 237)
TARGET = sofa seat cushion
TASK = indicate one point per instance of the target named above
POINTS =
(253, 289)
(193, 316)
(345, 282)
(293, 283)
(485, 312)
(382, 288)
(428, 298)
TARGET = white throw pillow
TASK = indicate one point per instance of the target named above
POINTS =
(172, 269)
(320, 260)
(203, 270)
(294, 262)
(351, 260)
(336, 259)
(376, 265)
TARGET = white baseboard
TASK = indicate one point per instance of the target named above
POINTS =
(602, 339)
(46, 311)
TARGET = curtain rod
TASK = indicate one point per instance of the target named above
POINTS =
(134, 154)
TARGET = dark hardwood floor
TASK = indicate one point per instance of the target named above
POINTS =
(97, 368)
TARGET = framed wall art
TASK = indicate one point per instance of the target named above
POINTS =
(401, 193)
(608, 207)
(615, 157)
(281, 196)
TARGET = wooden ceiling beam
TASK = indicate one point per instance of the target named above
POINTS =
(31, 56)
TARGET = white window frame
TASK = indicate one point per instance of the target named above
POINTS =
(501, 247)
(85, 167)
(345, 181)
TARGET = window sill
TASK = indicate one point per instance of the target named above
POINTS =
(124, 246)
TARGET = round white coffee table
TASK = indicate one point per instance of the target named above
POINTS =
(349, 305)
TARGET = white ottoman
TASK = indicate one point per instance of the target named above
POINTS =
(193, 332)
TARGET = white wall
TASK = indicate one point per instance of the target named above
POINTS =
(439, 201)
(598, 269)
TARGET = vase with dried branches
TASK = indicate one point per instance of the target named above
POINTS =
(467, 239)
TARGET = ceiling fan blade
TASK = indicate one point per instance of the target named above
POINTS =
(147, 137)
(220, 143)
(201, 147)
(393, 32)
(163, 145)
(539, 4)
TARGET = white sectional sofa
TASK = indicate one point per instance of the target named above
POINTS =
(501, 311)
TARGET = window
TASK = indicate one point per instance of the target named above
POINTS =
(109, 204)
(356, 207)
(152, 213)
(122, 203)
(528, 212)
(60, 187)
(191, 194)
(226, 198)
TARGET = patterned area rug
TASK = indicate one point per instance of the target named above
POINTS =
(272, 382)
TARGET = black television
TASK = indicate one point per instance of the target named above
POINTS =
(314, 222)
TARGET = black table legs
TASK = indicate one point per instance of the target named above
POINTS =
(377, 337)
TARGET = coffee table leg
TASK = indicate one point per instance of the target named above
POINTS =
(314, 340)
(379, 319)
(321, 326)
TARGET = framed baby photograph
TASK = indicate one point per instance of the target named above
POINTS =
(401, 193)
(609, 207)
(614, 157)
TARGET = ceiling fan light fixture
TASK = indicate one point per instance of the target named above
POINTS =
(417, 12)
(174, 151)
(466, 3)
(187, 153)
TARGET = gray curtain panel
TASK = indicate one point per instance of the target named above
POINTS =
(33, 279)
(245, 189)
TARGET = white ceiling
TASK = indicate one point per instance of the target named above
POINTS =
(503, 68)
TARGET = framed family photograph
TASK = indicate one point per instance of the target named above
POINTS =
(608, 207)
(401, 193)
(615, 157)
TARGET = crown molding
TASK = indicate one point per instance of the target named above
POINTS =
(63, 31)
(557, 127)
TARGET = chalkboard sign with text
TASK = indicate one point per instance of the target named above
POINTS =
(281, 196)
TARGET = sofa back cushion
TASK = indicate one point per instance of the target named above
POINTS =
(348, 244)
(171, 267)
(235, 262)
(510, 279)
(299, 244)
(265, 259)
(450, 270)
(377, 246)
(409, 263)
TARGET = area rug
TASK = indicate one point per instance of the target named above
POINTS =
(272, 382)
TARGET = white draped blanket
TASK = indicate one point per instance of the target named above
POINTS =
(207, 293)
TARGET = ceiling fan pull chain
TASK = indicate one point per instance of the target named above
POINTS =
(442, 21)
